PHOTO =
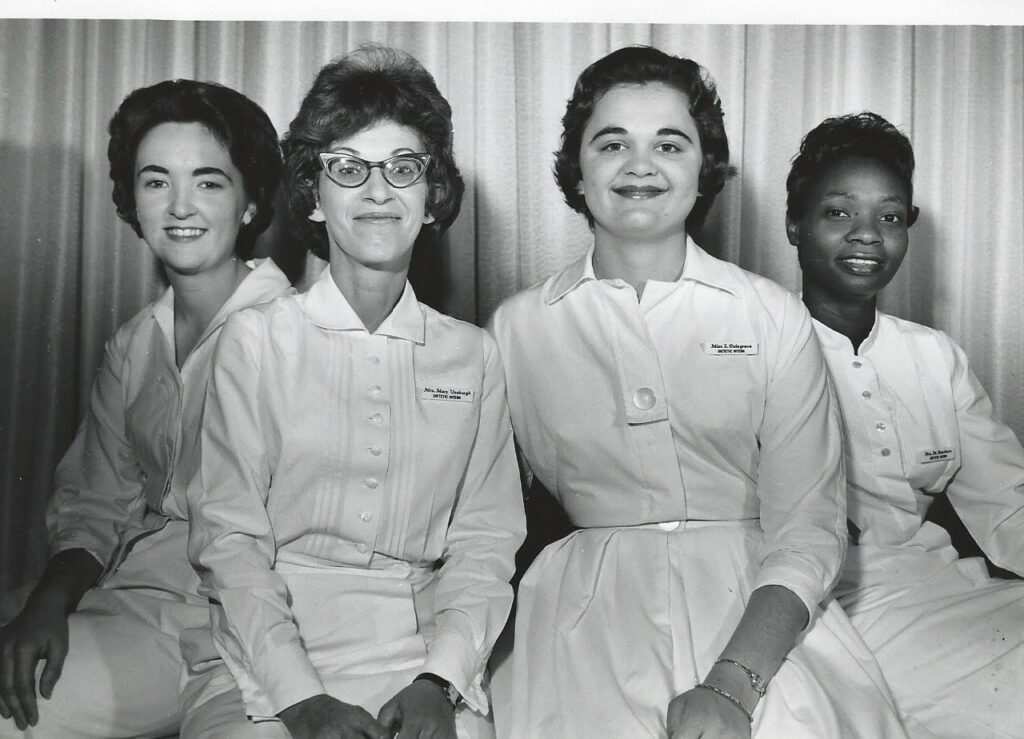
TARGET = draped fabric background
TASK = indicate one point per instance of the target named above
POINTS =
(73, 272)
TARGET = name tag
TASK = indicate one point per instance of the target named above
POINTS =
(935, 455)
(446, 392)
(728, 347)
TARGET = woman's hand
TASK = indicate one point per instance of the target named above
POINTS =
(703, 713)
(39, 632)
(324, 717)
(419, 711)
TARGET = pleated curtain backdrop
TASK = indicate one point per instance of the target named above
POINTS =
(72, 272)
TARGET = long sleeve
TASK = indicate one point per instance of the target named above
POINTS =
(988, 489)
(98, 495)
(801, 482)
(232, 543)
(473, 595)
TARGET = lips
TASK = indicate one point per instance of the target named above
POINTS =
(378, 218)
(861, 264)
(638, 192)
(183, 233)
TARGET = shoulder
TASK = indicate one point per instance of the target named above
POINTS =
(924, 340)
(454, 333)
(529, 305)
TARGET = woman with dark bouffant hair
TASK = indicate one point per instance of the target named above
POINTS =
(358, 508)
(947, 635)
(195, 167)
(678, 409)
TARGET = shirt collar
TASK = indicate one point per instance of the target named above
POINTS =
(326, 306)
(832, 340)
(699, 266)
(265, 282)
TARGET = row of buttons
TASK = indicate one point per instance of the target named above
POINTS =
(880, 426)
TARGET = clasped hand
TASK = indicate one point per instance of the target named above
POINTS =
(703, 714)
(418, 711)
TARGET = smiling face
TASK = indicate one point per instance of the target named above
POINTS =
(640, 159)
(189, 197)
(374, 225)
(853, 234)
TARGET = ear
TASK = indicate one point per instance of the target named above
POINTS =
(247, 216)
(579, 187)
(912, 217)
(317, 214)
(792, 231)
(427, 218)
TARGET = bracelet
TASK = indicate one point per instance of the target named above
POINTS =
(729, 697)
(757, 683)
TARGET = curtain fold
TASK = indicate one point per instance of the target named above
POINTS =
(74, 272)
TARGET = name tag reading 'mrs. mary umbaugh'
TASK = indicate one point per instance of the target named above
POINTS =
(446, 392)
(729, 347)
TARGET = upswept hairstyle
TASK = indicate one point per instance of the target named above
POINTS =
(641, 65)
(233, 119)
(371, 84)
(857, 135)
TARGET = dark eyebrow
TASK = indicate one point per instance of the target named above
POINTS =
(198, 172)
(355, 153)
(608, 131)
(851, 196)
(153, 168)
(674, 132)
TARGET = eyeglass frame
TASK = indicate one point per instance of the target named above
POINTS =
(422, 157)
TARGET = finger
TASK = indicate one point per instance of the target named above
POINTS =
(26, 659)
(7, 689)
(390, 716)
(56, 652)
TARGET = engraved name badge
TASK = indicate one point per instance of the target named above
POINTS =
(942, 454)
(446, 392)
(717, 348)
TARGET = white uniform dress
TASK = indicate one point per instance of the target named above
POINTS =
(692, 437)
(357, 513)
(120, 495)
(947, 636)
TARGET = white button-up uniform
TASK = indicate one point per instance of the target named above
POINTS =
(948, 637)
(359, 508)
(120, 495)
(691, 434)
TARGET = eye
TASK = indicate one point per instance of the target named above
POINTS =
(836, 213)
(668, 147)
(153, 183)
(614, 146)
(211, 185)
(402, 167)
(893, 218)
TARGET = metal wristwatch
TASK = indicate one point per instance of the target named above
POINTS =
(451, 694)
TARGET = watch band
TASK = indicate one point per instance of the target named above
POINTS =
(451, 694)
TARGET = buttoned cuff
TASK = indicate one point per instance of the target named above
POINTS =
(288, 678)
(452, 656)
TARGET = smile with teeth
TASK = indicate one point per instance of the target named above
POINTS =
(181, 232)
(861, 264)
(638, 192)
(378, 217)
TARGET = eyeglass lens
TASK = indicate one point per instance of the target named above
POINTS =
(352, 172)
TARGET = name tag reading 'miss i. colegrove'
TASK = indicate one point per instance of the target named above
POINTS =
(717, 348)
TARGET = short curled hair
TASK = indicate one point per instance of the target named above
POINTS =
(855, 136)
(371, 84)
(642, 65)
(236, 121)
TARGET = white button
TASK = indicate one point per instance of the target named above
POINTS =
(376, 418)
(866, 394)
(366, 517)
(360, 547)
(376, 450)
(886, 452)
(669, 525)
(880, 426)
(370, 483)
(857, 364)
(375, 390)
(644, 398)
(374, 359)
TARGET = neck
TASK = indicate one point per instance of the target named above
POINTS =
(373, 293)
(853, 317)
(198, 298)
(637, 262)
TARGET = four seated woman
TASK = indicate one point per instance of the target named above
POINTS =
(947, 636)
(356, 511)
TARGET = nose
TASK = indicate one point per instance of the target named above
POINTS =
(181, 205)
(865, 230)
(640, 163)
(377, 190)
